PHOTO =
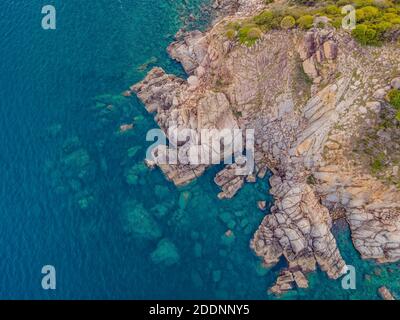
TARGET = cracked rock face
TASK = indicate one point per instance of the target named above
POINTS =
(306, 95)
(299, 229)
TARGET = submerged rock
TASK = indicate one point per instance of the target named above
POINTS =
(184, 200)
(166, 253)
(216, 275)
(132, 152)
(228, 238)
(133, 176)
(198, 250)
(140, 222)
(77, 159)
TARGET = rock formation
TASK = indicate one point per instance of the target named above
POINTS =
(385, 293)
(308, 95)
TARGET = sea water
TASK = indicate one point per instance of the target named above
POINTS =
(75, 193)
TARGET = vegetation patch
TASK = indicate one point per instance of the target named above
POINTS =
(377, 20)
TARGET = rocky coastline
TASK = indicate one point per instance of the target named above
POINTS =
(309, 96)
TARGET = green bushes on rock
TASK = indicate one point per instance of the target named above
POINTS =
(249, 34)
(265, 18)
(394, 98)
(305, 22)
(231, 34)
(365, 35)
(367, 13)
(377, 20)
(288, 22)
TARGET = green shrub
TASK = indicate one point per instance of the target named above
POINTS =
(264, 18)
(305, 22)
(288, 22)
(394, 98)
(389, 16)
(381, 28)
(395, 21)
(337, 22)
(363, 3)
(365, 35)
(377, 20)
(254, 34)
(332, 10)
(233, 25)
(249, 34)
(383, 3)
(377, 165)
(230, 34)
(367, 13)
(342, 3)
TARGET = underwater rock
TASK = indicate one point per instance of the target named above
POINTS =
(231, 224)
(196, 279)
(54, 130)
(184, 200)
(228, 238)
(139, 222)
(244, 222)
(161, 191)
(216, 275)
(109, 100)
(146, 64)
(134, 174)
(159, 210)
(133, 151)
(166, 253)
(77, 159)
(71, 144)
(225, 216)
(261, 270)
(194, 235)
(283, 283)
(85, 202)
(198, 250)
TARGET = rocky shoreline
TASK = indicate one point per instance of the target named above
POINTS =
(308, 96)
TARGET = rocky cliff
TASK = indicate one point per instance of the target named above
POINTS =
(311, 97)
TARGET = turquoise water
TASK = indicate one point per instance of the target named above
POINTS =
(74, 191)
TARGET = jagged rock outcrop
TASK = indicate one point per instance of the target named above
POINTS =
(385, 293)
(308, 96)
(298, 228)
(287, 280)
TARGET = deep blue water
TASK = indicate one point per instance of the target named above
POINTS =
(72, 185)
